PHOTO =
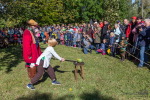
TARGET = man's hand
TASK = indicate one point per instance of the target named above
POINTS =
(140, 29)
(30, 57)
(62, 59)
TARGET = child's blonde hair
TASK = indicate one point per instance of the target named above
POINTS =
(105, 40)
(112, 34)
(52, 42)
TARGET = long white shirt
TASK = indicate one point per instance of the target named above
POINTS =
(48, 53)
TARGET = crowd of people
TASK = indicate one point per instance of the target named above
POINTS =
(133, 37)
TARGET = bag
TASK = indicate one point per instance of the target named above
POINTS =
(108, 51)
(117, 37)
(31, 72)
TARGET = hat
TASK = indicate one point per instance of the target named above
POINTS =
(134, 17)
(118, 21)
(139, 17)
(124, 35)
(32, 22)
(95, 22)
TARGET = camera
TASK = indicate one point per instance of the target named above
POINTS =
(137, 29)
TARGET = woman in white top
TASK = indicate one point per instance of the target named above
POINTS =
(43, 63)
(117, 32)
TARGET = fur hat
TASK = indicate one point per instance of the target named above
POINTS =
(32, 22)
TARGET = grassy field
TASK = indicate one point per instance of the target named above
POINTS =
(106, 78)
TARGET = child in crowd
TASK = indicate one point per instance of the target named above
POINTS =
(62, 38)
(71, 39)
(53, 35)
(79, 38)
(123, 45)
(19, 39)
(68, 38)
(46, 36)
(43, 63)
(58, 37)
(15, 38)
(111, 44)
(1, 40)
(74, 41)
(65, 38)
(104, 47)
(42, 34)
(11, 39)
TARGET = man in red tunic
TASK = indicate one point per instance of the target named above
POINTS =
(31, 48)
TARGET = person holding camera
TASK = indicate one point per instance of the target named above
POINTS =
(135, 31)
(143, 42)
(87, 44)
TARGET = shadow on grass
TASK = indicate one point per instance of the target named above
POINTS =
(77, 72)
(57, 70)
(96, 95)
(13, 56)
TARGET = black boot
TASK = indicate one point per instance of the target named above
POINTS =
(121, 58)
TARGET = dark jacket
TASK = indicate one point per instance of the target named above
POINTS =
(112, 40)
(105, 28)
(68, 36)
(89, 32)
(131, 34)
(144, 37)
(58, 35)
(71, 37)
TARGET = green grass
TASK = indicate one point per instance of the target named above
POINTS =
(106, 78)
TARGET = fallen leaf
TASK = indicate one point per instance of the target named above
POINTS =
(70, 89)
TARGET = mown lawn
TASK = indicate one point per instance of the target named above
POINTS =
(106, 78)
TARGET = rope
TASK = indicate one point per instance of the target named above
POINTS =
(139, 49)
(136, 57)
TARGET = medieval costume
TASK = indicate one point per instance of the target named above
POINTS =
(31, 49)
(123, 45)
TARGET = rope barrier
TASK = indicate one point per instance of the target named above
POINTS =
(136, 57)
(139, 49)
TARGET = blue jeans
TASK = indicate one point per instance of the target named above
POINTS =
(143, 56)
(112, 50)
(71, 43)
(66, 43)
(86, 50)
(96, 46)
(79, 44)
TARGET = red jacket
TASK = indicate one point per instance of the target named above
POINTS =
(15, 37)
(128, 30)
(30, 49)
(101, 25)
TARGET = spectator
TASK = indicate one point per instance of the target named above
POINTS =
(89, 31)
(97, 36)
(132, 25)
(105, 28)
(144, 42)
(117, 33)
(87, 42)
(120, 27)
